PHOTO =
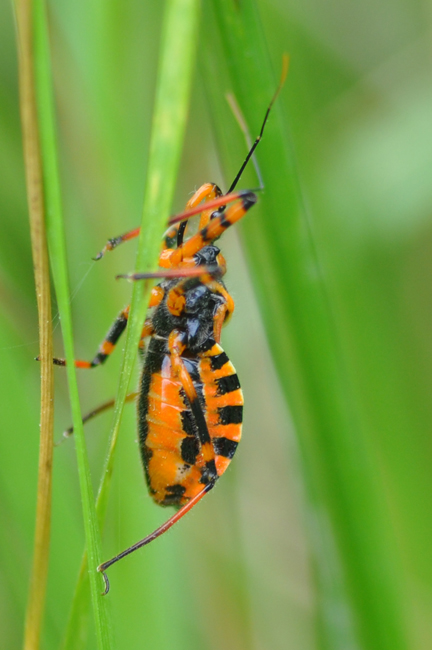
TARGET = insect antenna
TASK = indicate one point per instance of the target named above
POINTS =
(285, 62)
(241, 121)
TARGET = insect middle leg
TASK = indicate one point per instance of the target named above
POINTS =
(107, 346)
(146, 332)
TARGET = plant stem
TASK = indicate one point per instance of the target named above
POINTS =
(32, 157)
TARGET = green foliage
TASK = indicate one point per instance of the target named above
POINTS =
(320, 544)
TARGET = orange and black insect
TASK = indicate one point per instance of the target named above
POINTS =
(190, 404)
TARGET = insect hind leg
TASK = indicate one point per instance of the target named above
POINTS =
(154, 535)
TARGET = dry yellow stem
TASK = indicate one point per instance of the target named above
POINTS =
(34, 180)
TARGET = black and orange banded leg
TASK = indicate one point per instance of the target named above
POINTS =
(172, 259)
(116, 241)
(214, 229)
(146, 332)
(206, 192)
(206, 452)
(108, 344)
(106, 347)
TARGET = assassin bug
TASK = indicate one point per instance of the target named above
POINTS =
(190, 403)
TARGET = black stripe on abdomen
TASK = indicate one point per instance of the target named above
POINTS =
(225, 447)
(217, 361)
(189, 449)
(227, 384)
(230, 414)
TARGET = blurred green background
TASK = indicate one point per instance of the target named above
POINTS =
(257, 566)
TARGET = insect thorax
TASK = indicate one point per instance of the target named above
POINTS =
(197, 317)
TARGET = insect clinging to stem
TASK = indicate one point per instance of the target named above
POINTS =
(189, 400)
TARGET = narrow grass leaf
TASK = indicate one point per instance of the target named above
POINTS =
(56, 237)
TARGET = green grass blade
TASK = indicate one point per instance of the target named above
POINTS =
(351, 535)
(177, 56)
(31, 144)
(56, 237)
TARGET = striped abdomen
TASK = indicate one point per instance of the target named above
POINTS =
(223, 399)
(170, 436)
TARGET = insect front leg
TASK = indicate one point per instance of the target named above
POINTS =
(214, 229)
(116, 241)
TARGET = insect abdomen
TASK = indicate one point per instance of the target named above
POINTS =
(168, 432)
(168, 440)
